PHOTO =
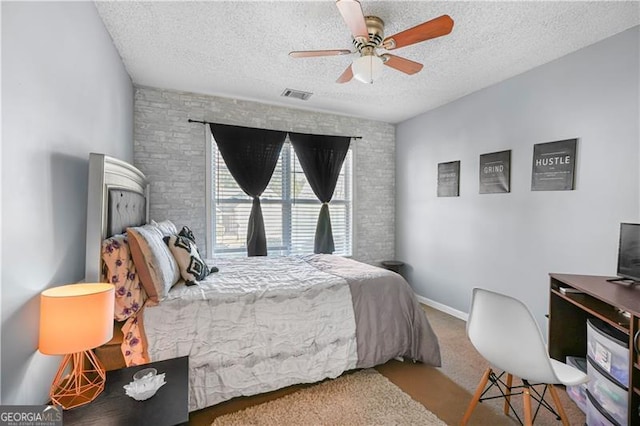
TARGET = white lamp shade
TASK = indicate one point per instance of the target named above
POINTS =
(75, 318)
(367, 68)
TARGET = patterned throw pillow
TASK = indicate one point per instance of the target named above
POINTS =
(187, 233)
(184, 250)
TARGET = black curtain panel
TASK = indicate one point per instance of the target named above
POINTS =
(251, 156)
(321, 158)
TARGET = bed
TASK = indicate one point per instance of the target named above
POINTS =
(259, 323)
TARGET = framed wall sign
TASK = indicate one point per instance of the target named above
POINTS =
(554, 166)
(495, 172)
(449, 179)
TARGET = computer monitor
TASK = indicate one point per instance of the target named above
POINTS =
(629, 252)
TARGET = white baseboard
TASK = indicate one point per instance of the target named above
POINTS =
(443, 308)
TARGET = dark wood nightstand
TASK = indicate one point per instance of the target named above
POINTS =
(169, 406)
(392, 265)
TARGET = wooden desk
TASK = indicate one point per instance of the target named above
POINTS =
(616, 304)
(169, 406)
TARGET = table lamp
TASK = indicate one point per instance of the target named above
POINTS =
(74, 319)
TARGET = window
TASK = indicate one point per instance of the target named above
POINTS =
(289, 207)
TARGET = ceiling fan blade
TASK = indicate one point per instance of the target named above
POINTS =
(313, 53)
(346, 76)
(401, 64)
(351, 12)
(427, 30)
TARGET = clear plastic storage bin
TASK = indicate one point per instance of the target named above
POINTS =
(595, 417)
(578, 393)
(608, 348)
(610, 395)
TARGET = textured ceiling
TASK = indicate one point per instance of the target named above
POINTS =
(239, 49)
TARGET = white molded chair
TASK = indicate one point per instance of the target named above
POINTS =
(504, 332)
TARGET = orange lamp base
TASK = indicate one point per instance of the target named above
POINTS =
(82, 385)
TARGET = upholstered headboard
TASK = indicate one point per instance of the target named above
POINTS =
(117, 199)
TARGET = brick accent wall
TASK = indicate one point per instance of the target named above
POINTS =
(171, 152)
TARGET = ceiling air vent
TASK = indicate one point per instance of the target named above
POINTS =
(298, 94)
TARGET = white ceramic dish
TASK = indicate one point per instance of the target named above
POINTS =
(144, 373)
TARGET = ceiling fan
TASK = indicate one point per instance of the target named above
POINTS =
(368, 37)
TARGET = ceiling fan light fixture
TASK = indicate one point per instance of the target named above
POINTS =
(367, 68)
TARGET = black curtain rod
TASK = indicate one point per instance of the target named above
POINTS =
(209, 122)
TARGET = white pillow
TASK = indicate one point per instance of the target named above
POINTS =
(166, 227)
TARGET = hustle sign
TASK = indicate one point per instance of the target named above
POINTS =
(554, 166)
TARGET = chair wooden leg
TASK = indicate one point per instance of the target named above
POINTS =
(507, 398)
(476, 396)
(526, 400)
(558, 403)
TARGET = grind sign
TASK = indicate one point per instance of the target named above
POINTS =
(554, 166)
(495, 175)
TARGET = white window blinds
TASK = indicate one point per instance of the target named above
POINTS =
(289, 207)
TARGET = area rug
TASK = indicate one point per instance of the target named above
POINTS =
(362, 398)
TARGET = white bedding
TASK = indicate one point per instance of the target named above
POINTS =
(255, 326)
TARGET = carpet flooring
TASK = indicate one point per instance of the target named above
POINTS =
(445, 391)
(365, 397)
(464, 365)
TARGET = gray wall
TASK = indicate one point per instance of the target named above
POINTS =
(171, 152)
(510, 242)
(65, 93)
